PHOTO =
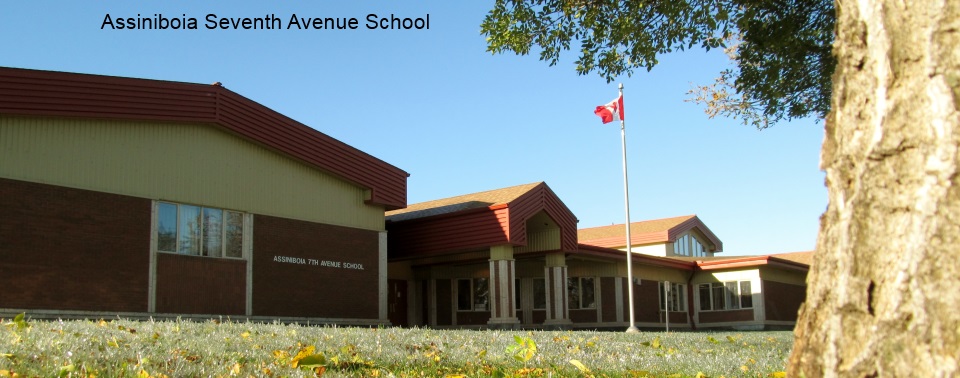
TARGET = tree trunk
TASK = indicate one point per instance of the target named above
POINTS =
(884, 289)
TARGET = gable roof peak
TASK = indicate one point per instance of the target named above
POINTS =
(663, 230)
(454, 204)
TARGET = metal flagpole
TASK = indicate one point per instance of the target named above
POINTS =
(626, 205)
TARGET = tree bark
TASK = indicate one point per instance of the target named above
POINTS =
(884, 289)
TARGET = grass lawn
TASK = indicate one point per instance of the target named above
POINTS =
(122, 348)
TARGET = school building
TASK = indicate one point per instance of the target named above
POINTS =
(514, 257)
(143, 198)
(146, 198)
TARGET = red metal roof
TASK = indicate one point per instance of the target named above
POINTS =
(61, 94)
(476, 221)
(665, 230)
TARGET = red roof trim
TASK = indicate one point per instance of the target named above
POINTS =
(638, 258)
(61, 94)
(749, 262)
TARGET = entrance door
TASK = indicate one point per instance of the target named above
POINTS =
(397, 303)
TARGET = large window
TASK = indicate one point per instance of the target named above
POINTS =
(688, 245)
(199, 231)
(580, 293)
(731, 295)
(676, 297)
(473, 294)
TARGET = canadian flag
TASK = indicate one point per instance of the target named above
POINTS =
(612, 111)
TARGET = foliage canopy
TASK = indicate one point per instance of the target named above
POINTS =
(781, 49)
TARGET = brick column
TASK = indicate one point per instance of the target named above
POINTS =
(555, 275)
(503, 312)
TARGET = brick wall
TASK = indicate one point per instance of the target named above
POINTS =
(473, 317)
(743, 315)
(283, 288)
(584, 315)
(444, 302)
(782, 300)
(71, 249)
(608, 291)
(646, 304)
(201, 285)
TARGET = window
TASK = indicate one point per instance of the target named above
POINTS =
(680, 246)
(580, 293)
(473, 294)
(516, 294)
(677, 296)
(199, 231)
(687, 245)
(539, 294)
(725, 295)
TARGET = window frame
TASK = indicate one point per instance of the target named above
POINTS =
(201, 248)
(680, 299)
(473, 297)
(726, 296)
(689, 245)
(579, 286)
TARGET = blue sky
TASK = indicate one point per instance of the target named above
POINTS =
(458, 119)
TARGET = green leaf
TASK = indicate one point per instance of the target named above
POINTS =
(313, 361)
(19, 321)
(66, 370)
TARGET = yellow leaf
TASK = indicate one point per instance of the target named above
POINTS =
(583, 368)
(304, 352)
(779, 374)
(744, 368)
(245, 335)
(5, 373)
(235, 369)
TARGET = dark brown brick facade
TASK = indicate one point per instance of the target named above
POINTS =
(285, 288)
(72, 249)
(782, 300)
(201, 285)
(444, 302)
(473, 317)
(744, 315)
(584, 316)
(608, 299)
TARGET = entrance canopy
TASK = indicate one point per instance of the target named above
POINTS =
(510, 216)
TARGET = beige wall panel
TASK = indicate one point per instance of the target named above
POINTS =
(480, 270)
(651, 249)
(783, 275)
(580, 268)
(196, 164)
(743, 274)
(400, 271)
(657, 273)
(529, 268)
(545, 240)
